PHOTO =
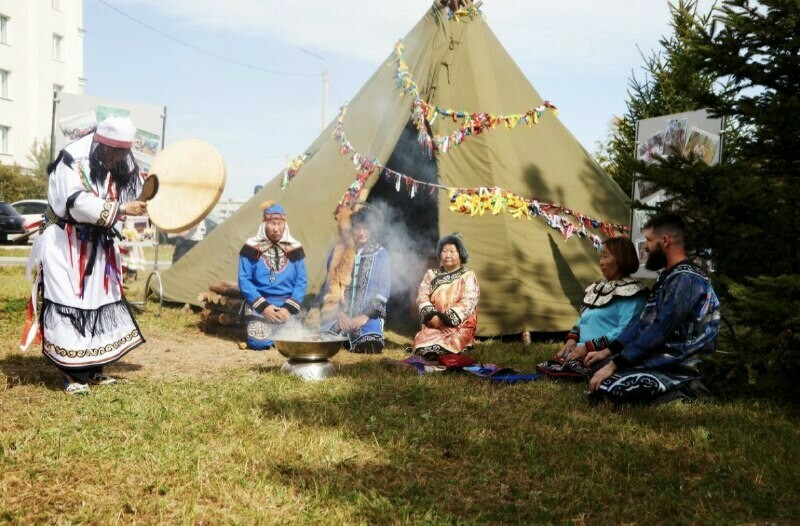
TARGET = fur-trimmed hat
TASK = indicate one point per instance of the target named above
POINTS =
(453, 239)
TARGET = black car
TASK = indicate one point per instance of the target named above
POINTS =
(10, 221)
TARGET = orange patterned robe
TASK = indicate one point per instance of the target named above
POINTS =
(453, 297)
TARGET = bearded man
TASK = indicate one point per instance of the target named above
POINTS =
(86, 322)
(272, 277)
(655, 357)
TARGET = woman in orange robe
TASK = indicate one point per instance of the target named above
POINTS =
(448, 303)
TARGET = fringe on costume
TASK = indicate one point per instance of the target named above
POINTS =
(86, 321)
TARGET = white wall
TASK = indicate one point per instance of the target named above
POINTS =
(28, 56)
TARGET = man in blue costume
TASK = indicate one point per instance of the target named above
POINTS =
(655, 357)
(272, 277)
(358, 284)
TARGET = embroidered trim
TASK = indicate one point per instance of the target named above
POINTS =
(108, 208)
(445, 278)
(427, 312)
(602, 292)
(292, 306)
(260, 304)
(451, 317)
(97, 351)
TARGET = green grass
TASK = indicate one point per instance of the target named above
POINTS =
(164, 252)
(376, 445)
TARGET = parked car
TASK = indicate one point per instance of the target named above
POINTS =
(32, 210)
(10, 221)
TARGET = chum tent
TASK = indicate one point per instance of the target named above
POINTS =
(531, 278)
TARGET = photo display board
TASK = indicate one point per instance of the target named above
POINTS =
(675, 134)
(78, 115)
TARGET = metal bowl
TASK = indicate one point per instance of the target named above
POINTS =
(310, 350)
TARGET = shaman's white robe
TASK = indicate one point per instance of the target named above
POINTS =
(85, 319)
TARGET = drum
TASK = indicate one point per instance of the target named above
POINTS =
(190, 177)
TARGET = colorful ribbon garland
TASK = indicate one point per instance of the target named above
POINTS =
(473, 201)
(423, 114)
(470, 12)
(292, 168)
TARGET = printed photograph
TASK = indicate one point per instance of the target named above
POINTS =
(640, 217)
(76, 126)
(641, 248)
(702, 145)
(648, 149)
(104, 112)
(645, 188)
(675, 136)
(146, 144)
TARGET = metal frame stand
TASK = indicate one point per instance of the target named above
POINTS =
(153, 274)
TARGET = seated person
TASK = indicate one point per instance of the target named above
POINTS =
(272, 277)
(609, 305)
(448, 303)
(358, 284)
(654, 358)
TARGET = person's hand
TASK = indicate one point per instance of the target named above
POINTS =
(598, 356)
(283, 314)
(272, 314)
(566, 350)
(344, 321)
(578, 353)
(603, 373)
(134, 208)
(358, 322)
(435, 323)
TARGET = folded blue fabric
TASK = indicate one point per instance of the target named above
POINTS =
(513, 378)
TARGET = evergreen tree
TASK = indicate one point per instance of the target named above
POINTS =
(670, 85)
(754, 48)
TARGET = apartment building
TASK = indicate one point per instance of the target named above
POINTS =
(41, 51)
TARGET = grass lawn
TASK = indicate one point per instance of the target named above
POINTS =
(164, 252)
(193, 440)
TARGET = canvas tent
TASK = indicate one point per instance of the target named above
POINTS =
(530, 277)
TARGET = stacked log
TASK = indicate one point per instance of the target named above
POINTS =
(222, 307)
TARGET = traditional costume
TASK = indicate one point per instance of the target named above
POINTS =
(657, 354)
(453, 297)
(358, 283)
(270, 273)
(608, 307)
(85, 321)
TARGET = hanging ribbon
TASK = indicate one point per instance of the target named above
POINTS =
(475, 201)
(424, 114)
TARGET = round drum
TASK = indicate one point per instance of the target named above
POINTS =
(191, 178)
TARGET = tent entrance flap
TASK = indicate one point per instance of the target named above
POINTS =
(410, 227)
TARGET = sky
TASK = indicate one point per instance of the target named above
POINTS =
(246, 75)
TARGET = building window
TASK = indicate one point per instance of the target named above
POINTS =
(3, 29)
(4, 84)
(4, 132)
(57, 5)
(57, 44)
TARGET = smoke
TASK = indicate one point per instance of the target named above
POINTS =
(410, 227)
(297, 328)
